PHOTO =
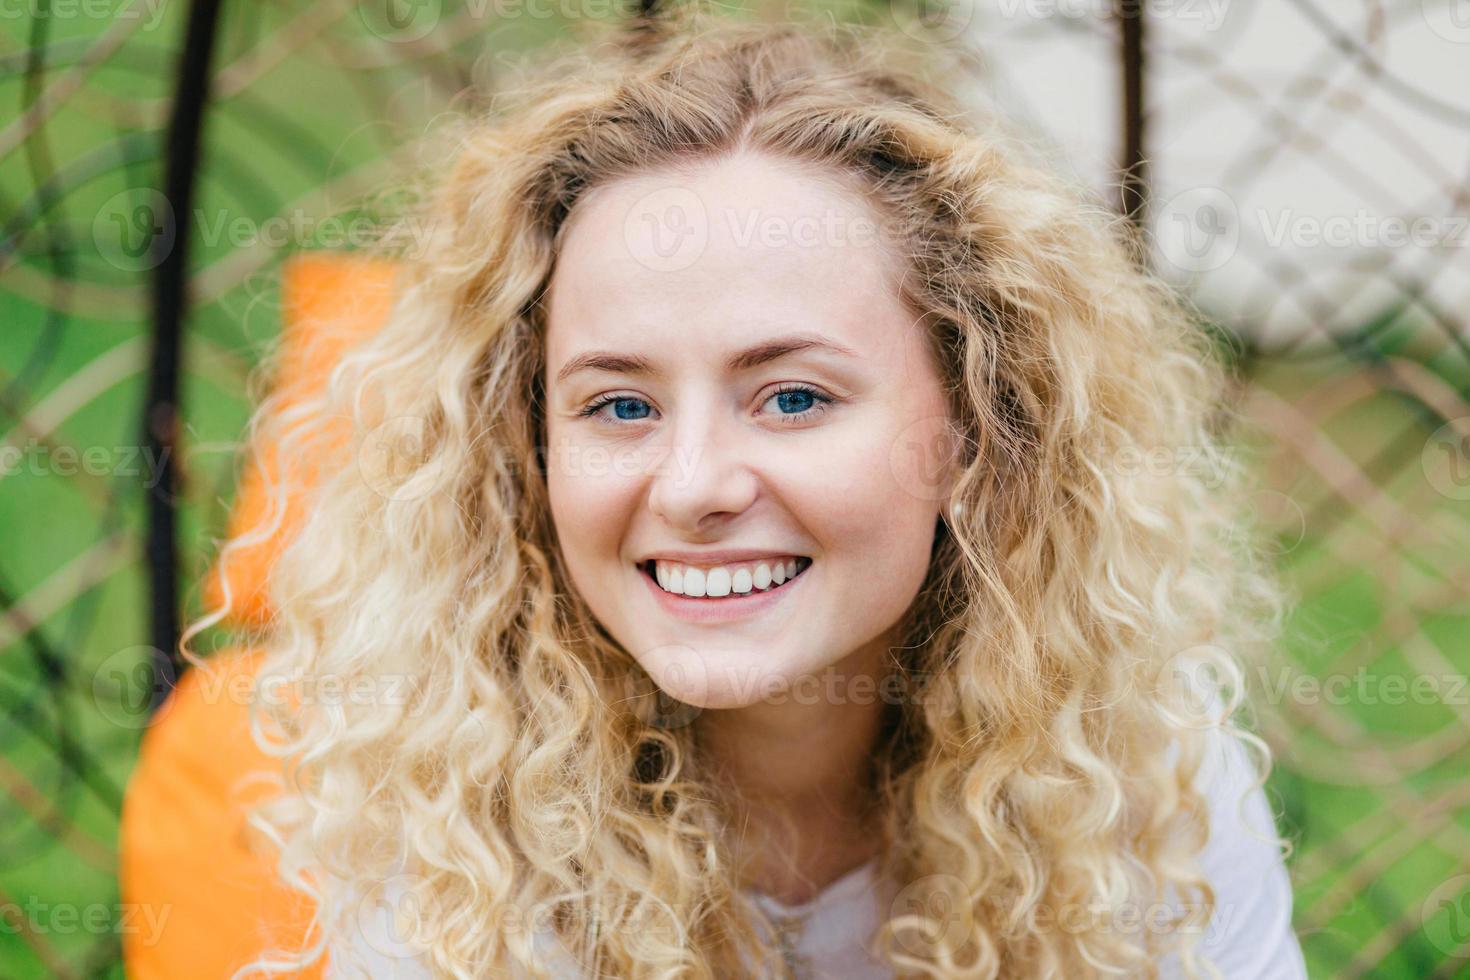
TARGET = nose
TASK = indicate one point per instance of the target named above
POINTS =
(706, 479)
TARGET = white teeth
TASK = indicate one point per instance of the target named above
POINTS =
(718, 582)
(725, 580)
(693, 583)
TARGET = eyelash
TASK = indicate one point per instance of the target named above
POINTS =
(822, 402)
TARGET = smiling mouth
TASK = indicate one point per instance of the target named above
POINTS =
(725, 582)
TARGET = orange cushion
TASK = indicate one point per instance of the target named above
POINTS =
(186, 858)
(329, 303)
(204, 902)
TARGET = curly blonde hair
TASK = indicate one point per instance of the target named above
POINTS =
(1050, 760)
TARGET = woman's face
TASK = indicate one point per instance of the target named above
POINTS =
(735, 391)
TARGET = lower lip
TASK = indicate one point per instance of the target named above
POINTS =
(723, 609)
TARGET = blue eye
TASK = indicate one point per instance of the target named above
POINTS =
(797, 402)
(626, 408)
(794, 401)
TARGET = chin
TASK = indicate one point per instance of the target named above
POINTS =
(720, 677)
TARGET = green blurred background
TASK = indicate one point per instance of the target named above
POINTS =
(1357, 389)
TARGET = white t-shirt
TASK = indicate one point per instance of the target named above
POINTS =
(1249, 938)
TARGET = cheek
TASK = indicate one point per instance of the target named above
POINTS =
(590, 504)
(867, 511)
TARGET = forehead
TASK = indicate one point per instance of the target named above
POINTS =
(743, 248)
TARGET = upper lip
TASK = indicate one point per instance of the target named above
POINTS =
(727, 556)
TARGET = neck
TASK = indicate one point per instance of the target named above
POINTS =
(797, 772)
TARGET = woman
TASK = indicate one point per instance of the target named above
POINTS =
(782, 568)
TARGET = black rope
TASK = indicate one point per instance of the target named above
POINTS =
(1133, 191)
(170, 306)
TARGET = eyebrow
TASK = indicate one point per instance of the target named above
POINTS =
(762, 353)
